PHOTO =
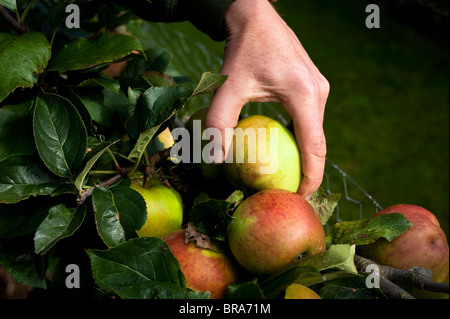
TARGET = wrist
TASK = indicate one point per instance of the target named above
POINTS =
(243, 13)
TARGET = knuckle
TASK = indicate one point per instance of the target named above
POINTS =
(318, 147)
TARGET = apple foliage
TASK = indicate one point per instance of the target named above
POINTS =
(69, 136)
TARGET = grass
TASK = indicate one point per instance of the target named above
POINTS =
(387, 116)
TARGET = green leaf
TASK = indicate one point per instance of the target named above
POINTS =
(18, 260)
(209, 82)
(22, 59)
(91, 158)
(324, 204)
(14, 141)
(155, 106)
(156, 78)
(276, 284)
(135, 261)
(60, 223)
(105, 82)
(244, 290)
(10, 4)
(60, 134)
(337, 256)
(142, 142)
(118, 212)
(159, 290)
(103, 105)
(25, 176)
(132, 208)
(348, 288)
(212, 218)
(84, 53)
(366, 231)
(22, 218)
(157, 59)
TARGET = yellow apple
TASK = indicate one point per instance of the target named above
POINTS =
(264, 155)
(164, 210)
(297, 291)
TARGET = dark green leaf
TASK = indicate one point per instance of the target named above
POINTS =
(16, 130)
(60, 134)
(105, 82)
(155, 106)
(348, 288)
(22, 218)
(18, 260)
(157, 59)
(22, 59)
(132, 208)
(244, 290)
(159, 290)
(103, 105)
(366, 231)
(142, 142)
(84, 53)
(25, 176)
(91, 159)
(135, 261)
(60, 223)
(212, 218)
(118, 211)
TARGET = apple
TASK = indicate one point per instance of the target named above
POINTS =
(164, 209)
(208, 170)
(297, 291)
(423, 245)
(204, 269)
(272, 228)
(277, 167)
(161, 142)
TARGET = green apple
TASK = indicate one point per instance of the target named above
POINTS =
(297, 291)
(164, 210)
(268, 158)
(272, 228)
(423, 245)
(204, 269)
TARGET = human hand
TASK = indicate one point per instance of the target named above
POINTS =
(265, 62)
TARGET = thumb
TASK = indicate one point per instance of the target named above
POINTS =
(223, 115)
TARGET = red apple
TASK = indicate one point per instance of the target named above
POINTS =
(204, 269)
(423, 245)
(271, 228)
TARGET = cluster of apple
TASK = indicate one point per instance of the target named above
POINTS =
(273, 225)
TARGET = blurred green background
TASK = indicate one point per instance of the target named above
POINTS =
(387, 116)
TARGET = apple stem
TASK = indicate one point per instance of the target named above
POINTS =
(108, 182)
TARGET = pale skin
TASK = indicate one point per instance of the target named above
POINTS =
(265, 62)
